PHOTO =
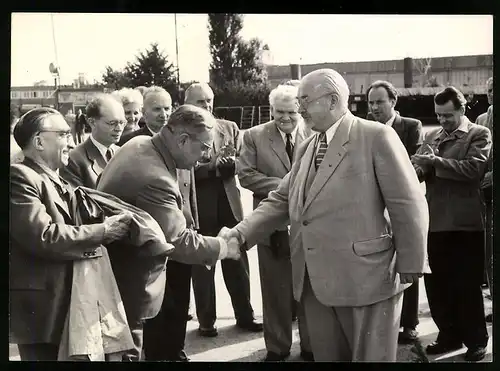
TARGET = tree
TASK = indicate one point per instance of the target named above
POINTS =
(150, 67)
(249, 61)
(115, 79)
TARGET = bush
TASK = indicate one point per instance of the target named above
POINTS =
(242, 94)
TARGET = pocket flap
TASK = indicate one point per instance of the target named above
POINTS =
(367, 247)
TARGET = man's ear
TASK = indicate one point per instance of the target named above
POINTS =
(182, 139)
(37, 142)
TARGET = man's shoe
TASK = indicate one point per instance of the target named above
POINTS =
(475, 354)
(489, 318)
(407, 336)
(275, 357)
(441, 347)
(307, 356)
(251, 326)
(209, 332)
(179, 357)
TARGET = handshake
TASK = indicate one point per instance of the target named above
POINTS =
(233, 241)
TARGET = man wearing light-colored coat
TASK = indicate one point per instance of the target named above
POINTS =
(349, 269)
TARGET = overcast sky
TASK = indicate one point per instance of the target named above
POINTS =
(88, 42)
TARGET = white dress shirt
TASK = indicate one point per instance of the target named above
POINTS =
(283, 135)
(391, 120)
(330, 133)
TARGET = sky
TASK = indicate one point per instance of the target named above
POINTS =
(87, 43)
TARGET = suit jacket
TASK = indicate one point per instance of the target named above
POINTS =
(337, 223)
(154, 188)
(263, 161)
(409, 131)
(85, 165)
(44, 242)
(225, 133)
(453, 182)
(142, 131)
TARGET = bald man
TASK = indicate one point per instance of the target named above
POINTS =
(219, 205)
(349, 266)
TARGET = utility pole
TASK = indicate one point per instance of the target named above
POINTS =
(177, 54)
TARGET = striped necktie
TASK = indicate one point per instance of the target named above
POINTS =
(322, 147)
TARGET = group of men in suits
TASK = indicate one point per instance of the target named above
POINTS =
(340, 221)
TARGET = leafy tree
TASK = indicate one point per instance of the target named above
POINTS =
(249, 61)
(151, 67)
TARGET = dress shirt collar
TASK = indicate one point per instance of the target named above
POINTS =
(151, 131)
(100, 147)
(391, 120)
(283, 134)
(333, 129)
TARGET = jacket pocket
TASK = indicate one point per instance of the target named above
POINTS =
(367, 247)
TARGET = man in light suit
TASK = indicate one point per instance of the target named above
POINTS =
(349, 270)
(266, 157)
(382, 98)
(44, 238)
(154, 174)
(156, 111)
(106, 117)
(219, 204)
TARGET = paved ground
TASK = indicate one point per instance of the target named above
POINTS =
(236, 346)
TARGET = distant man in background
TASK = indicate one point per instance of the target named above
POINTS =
(219, 205)
(156, 111)
(382, 99)
(106, 117)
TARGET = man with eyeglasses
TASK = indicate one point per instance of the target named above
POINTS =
(155, 174)
(219, 205)
(349, 266)
(44, 240)
(106, 117)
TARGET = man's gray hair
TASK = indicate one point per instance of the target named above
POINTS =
(284, 93)
(155, 90)
(332, 82)
(196, 86)
(190, 119)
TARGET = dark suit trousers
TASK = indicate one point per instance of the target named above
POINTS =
(456, 259)
(214, 213)
(164, 335)
(409, 313)
(38, 352)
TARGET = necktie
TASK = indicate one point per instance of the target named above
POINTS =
(108, 155)
(322, 147)
(289, 147)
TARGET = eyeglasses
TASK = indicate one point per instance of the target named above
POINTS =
(206, 146)
(114, 124)
(304, 102)
(62, 133)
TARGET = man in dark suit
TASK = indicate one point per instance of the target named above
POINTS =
(219, 205)
(44, 238)
(156, 110)
(106, 117)
(155, 174)
(266, 157)
(382, 98)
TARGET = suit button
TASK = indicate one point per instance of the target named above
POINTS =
(183, 202)
(305, 223)
(185, 184)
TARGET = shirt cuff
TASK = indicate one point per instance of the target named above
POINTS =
(223, 248)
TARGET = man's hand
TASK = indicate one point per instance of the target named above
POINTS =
(487, 180)
(423, 160)
(116, 226)
(409, 277)
(226, 166)
(233, 249)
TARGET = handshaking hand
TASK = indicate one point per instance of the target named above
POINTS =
(233, 244)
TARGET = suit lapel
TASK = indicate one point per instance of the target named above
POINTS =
(334, 155)
(303, 173)
(397, 125)
(98, 163)
(278, 146)
(54, 194)
(219, 137)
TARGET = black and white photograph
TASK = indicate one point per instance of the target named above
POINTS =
(230, 187)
